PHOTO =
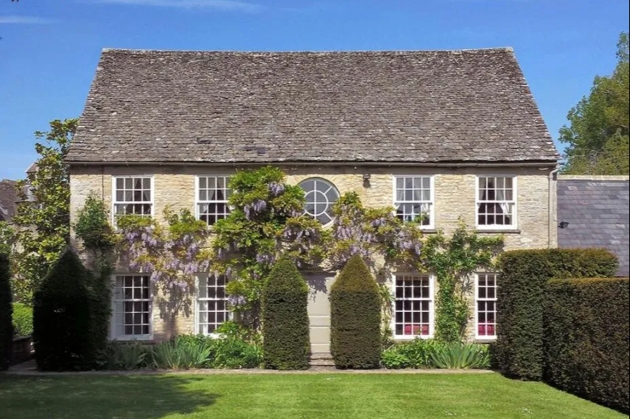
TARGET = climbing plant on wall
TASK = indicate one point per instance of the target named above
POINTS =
(266, 222)
(173, 253)
(454, 260)
(372, 232)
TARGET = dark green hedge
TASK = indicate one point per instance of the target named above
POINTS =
(100, 313)
(286, 342)
(62, 322)
(6, 313)
(355, 318)
(519, 346)
(586, 339)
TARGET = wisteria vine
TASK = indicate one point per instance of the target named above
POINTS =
(267, 222)
(172, 254)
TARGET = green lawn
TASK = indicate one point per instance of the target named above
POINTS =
(342, 396)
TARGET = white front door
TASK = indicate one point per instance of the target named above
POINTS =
(319, 311)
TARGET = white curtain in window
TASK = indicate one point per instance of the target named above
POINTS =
(505, 207)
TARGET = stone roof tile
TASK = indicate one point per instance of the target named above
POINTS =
(237, 107)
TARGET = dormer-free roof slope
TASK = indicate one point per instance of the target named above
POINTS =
(238, 107)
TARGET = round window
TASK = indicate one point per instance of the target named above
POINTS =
(320, 197)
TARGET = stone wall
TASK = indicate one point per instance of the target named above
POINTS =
(455, 190)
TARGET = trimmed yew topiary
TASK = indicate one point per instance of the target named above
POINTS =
(62, 321)
(285, 318)
(355, 317)
(6, 314)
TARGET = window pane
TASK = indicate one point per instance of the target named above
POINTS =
(320, 196)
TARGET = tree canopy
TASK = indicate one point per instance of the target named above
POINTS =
(597, 133)
(43, 212)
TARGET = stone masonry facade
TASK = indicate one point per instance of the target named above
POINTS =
(455, 191)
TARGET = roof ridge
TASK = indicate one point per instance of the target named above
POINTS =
(330, 52)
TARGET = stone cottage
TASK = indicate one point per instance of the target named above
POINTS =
(447, 134)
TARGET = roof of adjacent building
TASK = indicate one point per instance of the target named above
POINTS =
(240, 107)
(597, 210)
(8, 199)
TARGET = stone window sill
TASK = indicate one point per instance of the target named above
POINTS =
(498, 231)
(482, 231)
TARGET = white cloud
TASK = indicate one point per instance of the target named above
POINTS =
(190, 4)
(23, 20)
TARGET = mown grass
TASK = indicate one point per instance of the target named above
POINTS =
(343, 396)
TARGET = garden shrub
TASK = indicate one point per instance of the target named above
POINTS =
(461, 356)
(234, 347)
(62, 321)
(586, 339)
(180, 355)
(355, 306)
(519, 346)
(414, 354)
(99, 287)
(286, 344)
(6, 322)
(434, 354)
(22, 320)
(125, 356)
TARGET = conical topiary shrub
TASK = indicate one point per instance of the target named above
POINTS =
(355, 318)
(6, 311)
(285, 318)
(62, 319)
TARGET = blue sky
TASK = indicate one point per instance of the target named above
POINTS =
(50, 48)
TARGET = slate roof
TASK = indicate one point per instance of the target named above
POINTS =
(597, 213)
(8, 198)
(237, 107)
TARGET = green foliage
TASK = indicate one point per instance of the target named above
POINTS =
(42, 219)
(586, 337)
(173, 254)
(373, 233)
(415, 354)
(265, 224)
(180, 355)
(285, 318)
(100, 292)
(93, 227)
(123, 356)
(6, 323)
(22, 320)
(355, 308)
(457, 356)
(519, 346)
(421, 353)
(235, 353)
(98, 238)
(7, 238)
(62, 320)
(597, 135)
(454, 260)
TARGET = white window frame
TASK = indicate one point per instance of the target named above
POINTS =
(431, 225)
(113, 332)
(478, 300)
(115, 202)
(431, 299)
(330, 204)
(478, 202)
(198, 202)
(228, 316)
